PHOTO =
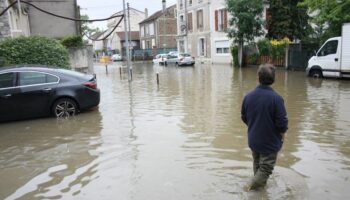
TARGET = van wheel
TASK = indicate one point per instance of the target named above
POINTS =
(316, 73)
(64, 108)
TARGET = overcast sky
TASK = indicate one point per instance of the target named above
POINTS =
(105, 8)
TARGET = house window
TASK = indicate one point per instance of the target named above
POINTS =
(190, 2)
(151, 29)
(200, 19)
(148, 44)
(201, 47)
(222, 47)
(189, 22)
(147, 29)
(142, 30)
(221, 20)
(181, 5)
(182, 46)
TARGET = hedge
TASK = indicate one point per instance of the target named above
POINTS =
(72, 41)
(34, 50)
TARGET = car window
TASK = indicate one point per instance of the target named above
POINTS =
(329, 48)
(51, 79)
(185, 55)
(33, 78)
(7, 80)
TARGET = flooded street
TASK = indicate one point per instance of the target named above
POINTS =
(183, 139)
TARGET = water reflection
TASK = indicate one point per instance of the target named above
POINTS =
(182, 139)
(42, 157)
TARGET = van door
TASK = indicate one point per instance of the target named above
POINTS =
(329, 58)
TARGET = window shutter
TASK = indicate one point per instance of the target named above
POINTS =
(216, 21)
(225, 20)
(189, 21)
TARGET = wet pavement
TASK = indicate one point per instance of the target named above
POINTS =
(182, 140)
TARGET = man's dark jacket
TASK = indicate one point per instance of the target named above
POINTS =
(265, 115)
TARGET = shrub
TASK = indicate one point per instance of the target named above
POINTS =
(34, 50)
(234, 53)
(278, 48)
(72, 41)
(264, 47)
(253, 59)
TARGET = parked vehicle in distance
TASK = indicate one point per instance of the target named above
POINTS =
(333, 58)
(116, 57)
(180, 59)
(161, 59)
(173, 53)
(35, 91)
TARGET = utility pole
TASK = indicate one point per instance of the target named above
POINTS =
(129, 36)
(127, 42)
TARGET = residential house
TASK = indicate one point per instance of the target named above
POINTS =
(202, 29)
(194, 28)
(114, 41)
(96, 42)
(160, 29)
(220, 43)
(14, 22)
(51, 26)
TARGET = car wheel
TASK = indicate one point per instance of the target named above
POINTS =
(64, 108)
(316, 73)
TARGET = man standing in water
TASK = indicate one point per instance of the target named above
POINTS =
(264, 113)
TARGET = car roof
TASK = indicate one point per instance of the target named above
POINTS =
(41, 68)
(44, 68)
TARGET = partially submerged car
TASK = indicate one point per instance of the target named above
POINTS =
(161, 59)
(36, 91)
(180, 59)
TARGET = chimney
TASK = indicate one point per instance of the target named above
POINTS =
(146, 13)
(164, 5)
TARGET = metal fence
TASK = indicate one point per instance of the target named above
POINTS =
(149, 54)
(299, 55)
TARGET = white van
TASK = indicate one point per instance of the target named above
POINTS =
(333, 58)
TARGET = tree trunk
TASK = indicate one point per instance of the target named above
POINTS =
(240, 53)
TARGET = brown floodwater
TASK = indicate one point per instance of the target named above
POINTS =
(181, 140)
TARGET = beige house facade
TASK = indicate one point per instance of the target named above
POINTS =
(194, 28)
(114, 41)
(202, 26)
(159, 30)
(14, 22)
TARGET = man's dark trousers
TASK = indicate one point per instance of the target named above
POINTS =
(263, 166)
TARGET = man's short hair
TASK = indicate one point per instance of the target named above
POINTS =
(266, 73)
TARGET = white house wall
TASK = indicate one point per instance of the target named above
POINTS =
(218, 39)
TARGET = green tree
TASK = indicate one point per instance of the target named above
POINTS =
(85, 28)
(328, 16)
(246, 21)
(287, 19)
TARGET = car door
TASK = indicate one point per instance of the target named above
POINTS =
(36, 90)
(328, 55)
(8, 96)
